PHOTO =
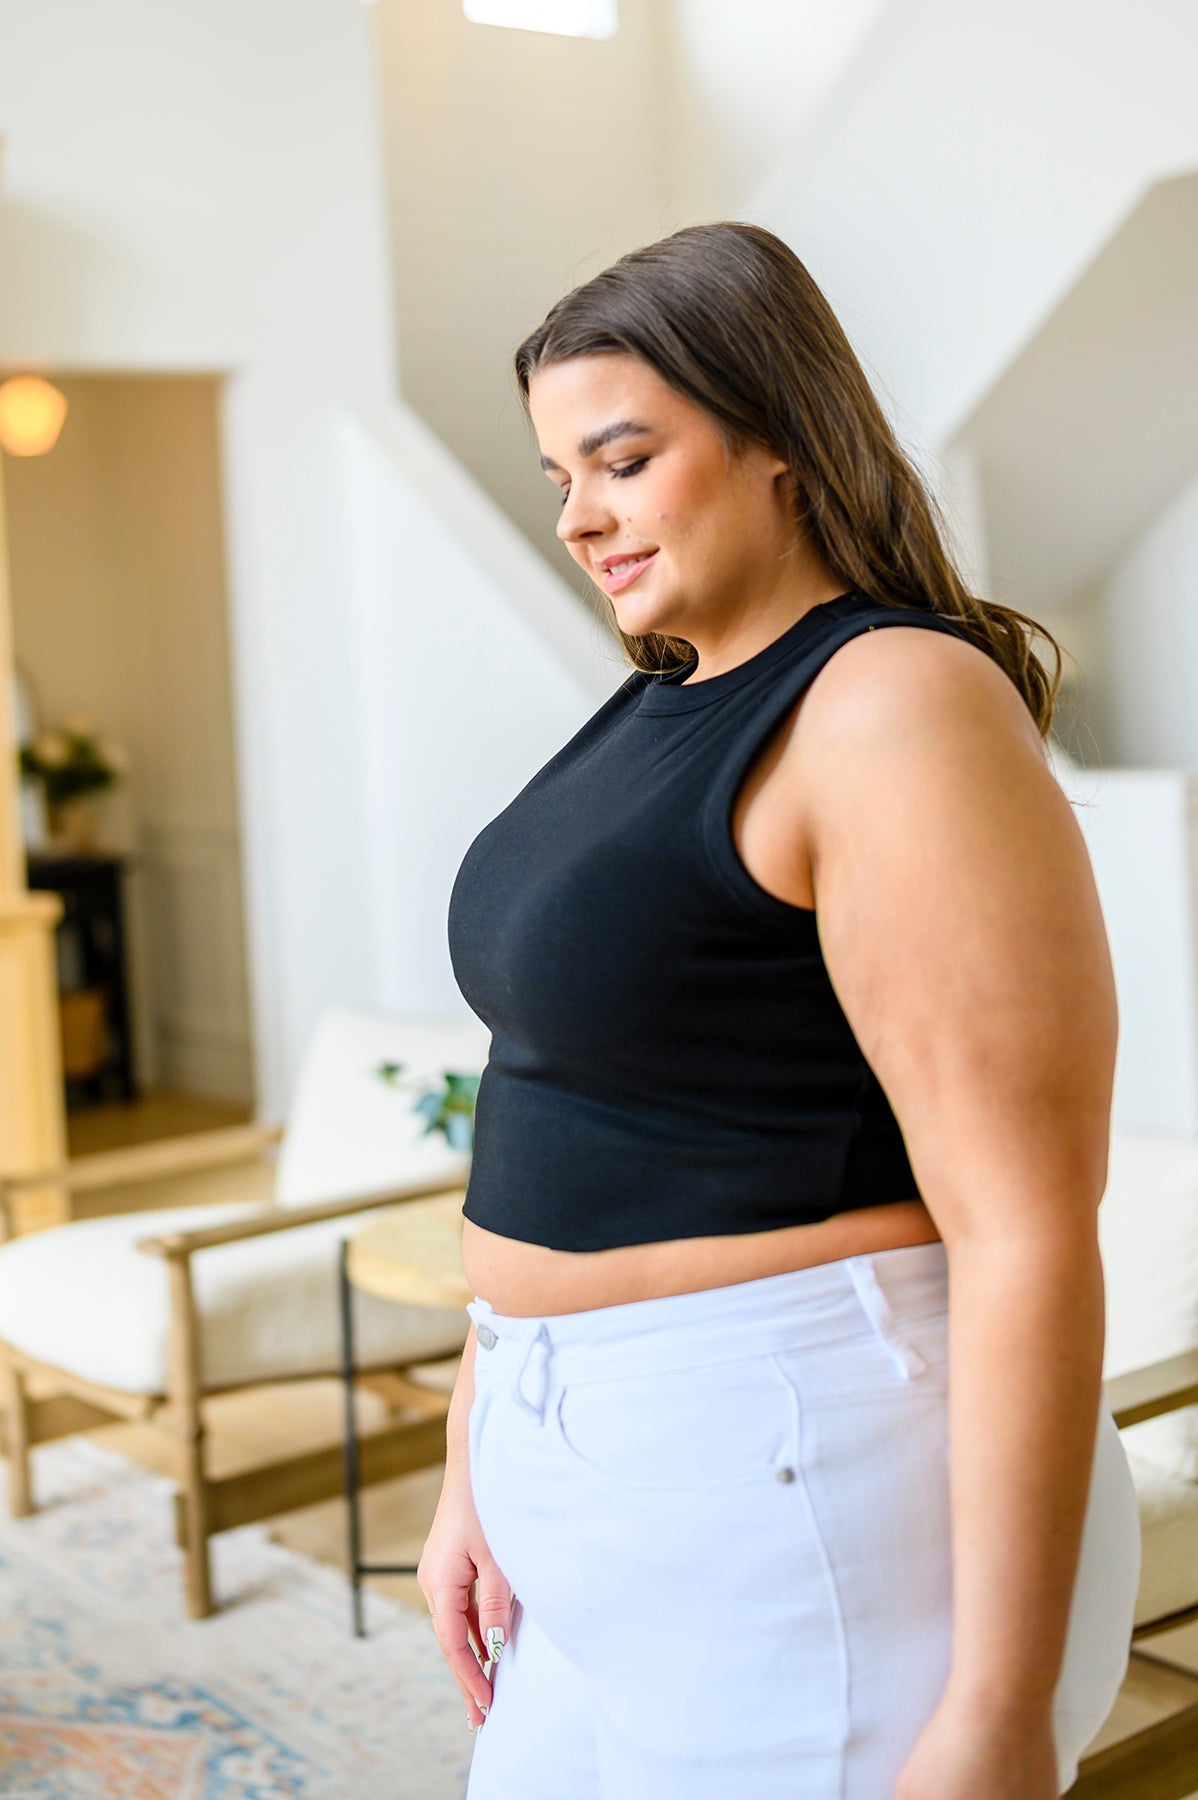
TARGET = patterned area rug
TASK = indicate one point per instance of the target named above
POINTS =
(109, 1692)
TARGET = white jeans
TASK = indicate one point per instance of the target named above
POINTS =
(725, 1519)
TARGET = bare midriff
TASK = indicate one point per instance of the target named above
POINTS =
(529, 1280)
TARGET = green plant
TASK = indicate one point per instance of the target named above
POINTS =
(448, 1108)
(71, 762)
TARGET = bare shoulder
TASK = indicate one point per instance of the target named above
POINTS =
(896, 683)
(913, 743)
(900, 707)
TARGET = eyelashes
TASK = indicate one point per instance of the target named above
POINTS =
(633, 468)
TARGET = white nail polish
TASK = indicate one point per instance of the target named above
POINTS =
(495, 1642)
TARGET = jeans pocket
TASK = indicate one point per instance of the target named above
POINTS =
(723, 1425)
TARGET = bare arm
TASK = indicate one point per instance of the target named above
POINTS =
(963, 933)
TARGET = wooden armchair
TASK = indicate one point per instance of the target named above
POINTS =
(145, 1315)
(1149, 1229)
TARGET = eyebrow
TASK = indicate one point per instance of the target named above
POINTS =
(595, 440)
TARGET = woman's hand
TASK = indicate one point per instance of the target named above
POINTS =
(455, 1555)
(962, 1754)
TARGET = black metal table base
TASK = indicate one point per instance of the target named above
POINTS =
(353, 1486)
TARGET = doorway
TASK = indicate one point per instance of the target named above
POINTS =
(120, 632)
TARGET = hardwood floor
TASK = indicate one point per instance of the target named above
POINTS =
(155, 1115)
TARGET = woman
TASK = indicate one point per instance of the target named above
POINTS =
(804, 879)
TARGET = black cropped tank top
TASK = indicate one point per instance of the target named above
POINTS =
(668, 1056)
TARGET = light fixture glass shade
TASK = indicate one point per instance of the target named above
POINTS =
(31, 415)
(566, 18)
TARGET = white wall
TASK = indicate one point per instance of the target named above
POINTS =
(518, 164)
(116, 554)
(1145, 612)
(1092, 428)
(200, 189)
(955, 190)
(742, 84)
(521, 163)
(461, 701)
(1141, 829)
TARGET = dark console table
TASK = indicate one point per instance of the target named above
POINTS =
(91, 957)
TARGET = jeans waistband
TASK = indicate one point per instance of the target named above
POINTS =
(808, 1309)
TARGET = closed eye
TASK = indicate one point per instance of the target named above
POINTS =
(633, 468)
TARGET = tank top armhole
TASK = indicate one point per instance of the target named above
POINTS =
(715, 822)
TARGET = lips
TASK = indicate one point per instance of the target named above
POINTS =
(625, 572)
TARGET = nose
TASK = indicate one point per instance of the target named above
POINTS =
(582, 516)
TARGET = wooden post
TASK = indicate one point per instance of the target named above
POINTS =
(16, 1441)
(12, 861)
(32, 1113)
(186, 1419)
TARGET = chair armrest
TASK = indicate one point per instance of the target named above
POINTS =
(146, 1162)
(1161, 1387)
(185, 1243)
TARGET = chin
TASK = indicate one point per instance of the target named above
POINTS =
(641, 624)
(639, 617)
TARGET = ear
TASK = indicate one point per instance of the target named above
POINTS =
(790, 488)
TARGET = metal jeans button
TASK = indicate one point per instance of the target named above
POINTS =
(487, 1338)
(786, 1475)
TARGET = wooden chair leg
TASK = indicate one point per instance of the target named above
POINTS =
(187, 1422)
(16, 1442)
(193, 1494)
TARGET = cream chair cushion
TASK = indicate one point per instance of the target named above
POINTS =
(1169, 1535)
(1148, 1229)
(83, 1298)
(348, 1132)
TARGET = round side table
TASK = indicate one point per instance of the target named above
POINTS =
(410, 1253)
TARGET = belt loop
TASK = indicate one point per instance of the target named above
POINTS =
(876, 1307)
(537, 1411)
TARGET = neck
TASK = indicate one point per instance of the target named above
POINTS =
(724, 642)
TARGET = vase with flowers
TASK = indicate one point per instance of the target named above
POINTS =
(71, 764)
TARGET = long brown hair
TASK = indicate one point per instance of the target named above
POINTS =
(729, 317)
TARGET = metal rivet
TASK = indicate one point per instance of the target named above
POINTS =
(486, 1337)
(786, 1474)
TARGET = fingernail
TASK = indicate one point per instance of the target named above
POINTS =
(495, 1642)
(469, 1723)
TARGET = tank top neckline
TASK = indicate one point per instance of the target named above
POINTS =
(668, 694)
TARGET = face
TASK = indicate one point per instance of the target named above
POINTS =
(683, 536)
